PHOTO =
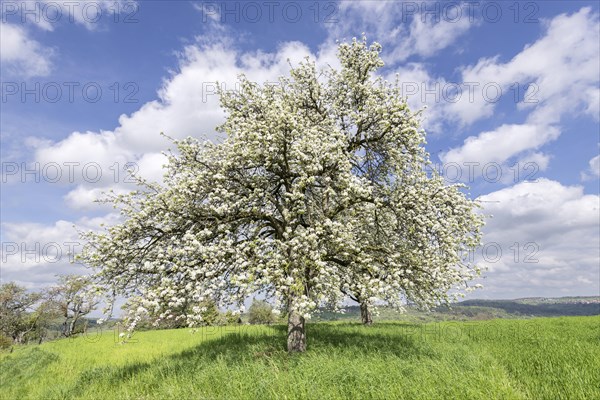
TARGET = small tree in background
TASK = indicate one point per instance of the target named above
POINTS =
(75, 299)
(210, 313)
(260, 312)
(17, 312)
(319, 191)
(231, 318)
(48, 317)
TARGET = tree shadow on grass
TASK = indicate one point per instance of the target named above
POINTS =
(397, 339)
(267, 344)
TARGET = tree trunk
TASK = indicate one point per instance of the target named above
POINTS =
(365, 314)
(72, 326)
(20, 338)
(66, 325)
(296, 338)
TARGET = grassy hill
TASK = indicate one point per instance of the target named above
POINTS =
(541, 358)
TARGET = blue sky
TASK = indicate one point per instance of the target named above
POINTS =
(155, 63)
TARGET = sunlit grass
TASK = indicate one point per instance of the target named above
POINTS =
(544, 358)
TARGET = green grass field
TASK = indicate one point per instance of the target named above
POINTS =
(542, 358)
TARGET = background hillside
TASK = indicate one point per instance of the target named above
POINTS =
(483, 309)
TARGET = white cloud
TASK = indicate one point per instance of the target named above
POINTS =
(427, 37)
(33, 253)
(595, 165)
(556, 75)
(548, 235)
(412, 77)
(541, 160)
(403, 33)
(22, 56)
(84, 147)
(563, 66)
(445, 101)
(120, 180)
(83, 198)
(501, 144)
(592, 94)
(593, 171)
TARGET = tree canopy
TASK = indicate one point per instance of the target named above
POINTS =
(318, 191)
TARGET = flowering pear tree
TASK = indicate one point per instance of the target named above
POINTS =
(318, 192)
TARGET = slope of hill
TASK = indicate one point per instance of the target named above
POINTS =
(541, 358)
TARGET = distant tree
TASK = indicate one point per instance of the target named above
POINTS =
(260, 312)
(231, 318)
(319, 190)
(210, 313)
(17, 306)
(74, 298)
(5, 341)
(48, 316)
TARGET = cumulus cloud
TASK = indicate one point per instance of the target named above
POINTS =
(562, 68)
(418, 31)
(541, 241)
(593, 172)
(20, 55)
(33, 253)
(557, 75)
(501, 144)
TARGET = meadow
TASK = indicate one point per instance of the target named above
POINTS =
(540, 358)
